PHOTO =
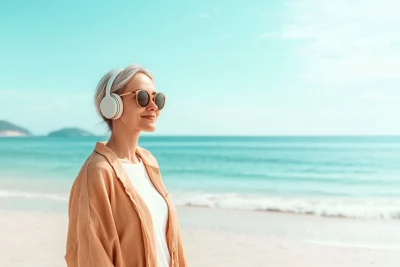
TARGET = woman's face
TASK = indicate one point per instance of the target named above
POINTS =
(134, 117)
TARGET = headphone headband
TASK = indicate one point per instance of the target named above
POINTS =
(111, 81)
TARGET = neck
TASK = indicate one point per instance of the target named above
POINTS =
(124, 145)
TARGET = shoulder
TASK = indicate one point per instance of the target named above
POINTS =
(97, 164)
(95, 172)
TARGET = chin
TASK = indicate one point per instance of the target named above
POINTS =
(149, 128)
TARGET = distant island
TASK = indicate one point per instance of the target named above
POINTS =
(70, 132)
(8, 129)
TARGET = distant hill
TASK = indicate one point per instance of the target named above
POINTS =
(8, 129)
(70, 132)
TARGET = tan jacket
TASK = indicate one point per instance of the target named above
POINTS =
(109, 223)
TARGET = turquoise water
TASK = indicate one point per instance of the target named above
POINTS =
(331, 176)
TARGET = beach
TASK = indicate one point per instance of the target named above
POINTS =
(242, 201)
(225, 238)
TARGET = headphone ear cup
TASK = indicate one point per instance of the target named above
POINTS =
(108, 107)
(119, 104)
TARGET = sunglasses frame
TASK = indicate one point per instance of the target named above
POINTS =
(151, 97)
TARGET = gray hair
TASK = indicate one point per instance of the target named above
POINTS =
(124, 76)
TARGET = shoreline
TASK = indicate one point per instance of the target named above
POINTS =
(277, 211)
(64, 200)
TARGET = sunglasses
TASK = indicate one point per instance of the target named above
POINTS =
(143, 98)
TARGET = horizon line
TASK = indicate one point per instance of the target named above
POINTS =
(218, 135)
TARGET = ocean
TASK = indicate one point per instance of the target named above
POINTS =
(354, 177)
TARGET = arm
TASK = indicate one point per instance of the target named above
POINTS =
(90, 234)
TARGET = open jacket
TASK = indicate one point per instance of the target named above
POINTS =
(109, 223)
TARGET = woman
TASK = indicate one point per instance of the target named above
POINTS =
(120, 213)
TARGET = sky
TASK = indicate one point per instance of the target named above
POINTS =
(305, 67)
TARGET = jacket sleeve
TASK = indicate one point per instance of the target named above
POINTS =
(91, 235)
(181, 252)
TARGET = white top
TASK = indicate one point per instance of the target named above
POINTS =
(155, 203)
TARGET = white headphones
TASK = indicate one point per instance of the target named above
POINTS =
(111, 105)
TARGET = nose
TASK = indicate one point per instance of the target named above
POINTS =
(152, 105)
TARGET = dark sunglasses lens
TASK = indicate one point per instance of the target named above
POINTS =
(143, 98)
(160, 100)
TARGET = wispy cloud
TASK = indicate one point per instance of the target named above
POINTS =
(345, 40)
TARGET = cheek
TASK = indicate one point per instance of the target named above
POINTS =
(130, 113)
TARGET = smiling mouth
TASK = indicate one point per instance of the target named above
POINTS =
(149, 117)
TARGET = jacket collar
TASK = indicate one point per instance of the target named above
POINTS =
(105, 151)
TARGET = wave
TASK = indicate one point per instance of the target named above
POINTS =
(326, 178)
(341, 207)
(33, 195)
(377, 208)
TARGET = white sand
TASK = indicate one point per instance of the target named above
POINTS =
(225, 238)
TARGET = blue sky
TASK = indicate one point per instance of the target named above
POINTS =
(305, 67)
